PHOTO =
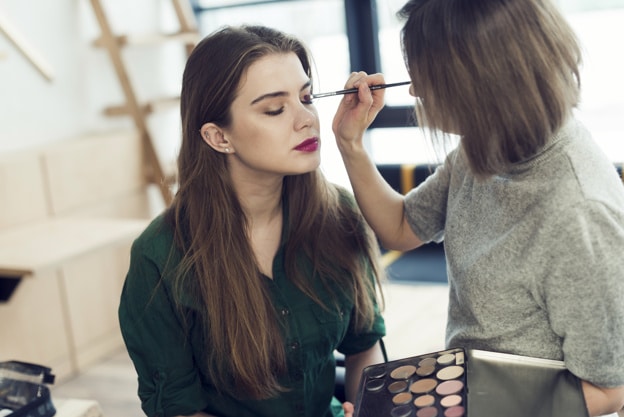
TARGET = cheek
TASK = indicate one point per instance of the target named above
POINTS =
(242, 133)
(317, 121)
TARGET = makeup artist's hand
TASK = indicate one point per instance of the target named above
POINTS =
(348, 409)
(357, 111)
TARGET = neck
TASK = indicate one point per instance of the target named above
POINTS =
(261, 200)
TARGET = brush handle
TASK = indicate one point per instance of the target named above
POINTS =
(355, 90)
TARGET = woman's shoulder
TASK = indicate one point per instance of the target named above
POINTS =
(345, 196)
(157, 238)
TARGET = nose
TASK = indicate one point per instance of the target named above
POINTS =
(306, 116)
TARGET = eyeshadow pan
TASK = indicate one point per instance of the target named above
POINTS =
(403, 372)
(403, 398)
(449, 387)
(450, 372)
(397, 387)
(451, 401)
(423, 386)
(426, 400)
(402, 411)
(425, 370)
(378, 372)
(446, 359)
(427, 412)
(428, 362)
(375, 385)
(457, 411)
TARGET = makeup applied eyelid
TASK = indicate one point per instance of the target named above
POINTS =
(278, 93)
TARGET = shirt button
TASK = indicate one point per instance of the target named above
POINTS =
(294, 345)
(285, 312)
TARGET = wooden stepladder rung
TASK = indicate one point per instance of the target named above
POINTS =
(156, 172)
(189, 38)
(152, 106)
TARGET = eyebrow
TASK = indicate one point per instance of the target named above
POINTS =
(278, 93)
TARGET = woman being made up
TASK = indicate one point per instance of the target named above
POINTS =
(530, 209)
(239, 293)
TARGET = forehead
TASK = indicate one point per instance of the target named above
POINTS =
(274, 72)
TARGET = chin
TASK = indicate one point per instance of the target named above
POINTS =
(305, 168)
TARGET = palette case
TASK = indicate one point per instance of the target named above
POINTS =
(469, 383)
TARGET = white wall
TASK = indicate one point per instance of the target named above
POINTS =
(35, 111)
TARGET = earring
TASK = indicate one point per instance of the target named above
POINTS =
(227, 150)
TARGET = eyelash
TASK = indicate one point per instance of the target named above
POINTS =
(274, 112)
(307, 101)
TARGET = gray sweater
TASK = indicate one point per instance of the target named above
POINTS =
(535, 258)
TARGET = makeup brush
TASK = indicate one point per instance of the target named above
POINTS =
(355, 90)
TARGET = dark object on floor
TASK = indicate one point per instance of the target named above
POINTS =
(424, 264)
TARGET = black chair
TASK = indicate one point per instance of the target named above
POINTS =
(339, 390)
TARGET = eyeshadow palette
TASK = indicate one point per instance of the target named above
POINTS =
(476, 383)
(430, 385)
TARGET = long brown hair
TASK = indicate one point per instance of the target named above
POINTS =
(211, 230)
(503, 74)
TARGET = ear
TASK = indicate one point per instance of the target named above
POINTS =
(214, 136)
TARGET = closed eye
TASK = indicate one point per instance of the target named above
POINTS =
(274, 112)
(307, 99)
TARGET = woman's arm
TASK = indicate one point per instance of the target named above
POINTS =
(601, 401)
(355, 364)
(381, 205)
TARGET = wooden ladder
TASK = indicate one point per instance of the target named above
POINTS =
(188, 34)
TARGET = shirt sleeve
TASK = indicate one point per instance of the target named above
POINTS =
(160, 349)
(425, 205)
(583, 291)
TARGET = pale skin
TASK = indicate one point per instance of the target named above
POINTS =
(355, 113)
(272, 116)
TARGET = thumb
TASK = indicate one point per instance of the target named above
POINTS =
(348, 409)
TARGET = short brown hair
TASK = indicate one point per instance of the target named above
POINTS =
(504, 74)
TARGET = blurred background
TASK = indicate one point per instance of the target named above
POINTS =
(343, 35)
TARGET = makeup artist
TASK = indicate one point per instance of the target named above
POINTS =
(530, 209)
(239, 293)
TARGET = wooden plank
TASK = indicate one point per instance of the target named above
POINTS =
(74, 407)
(33, 327)
(92, 300)
(22, 189)
(20, 43)
(93, 169)
(152, 39)
(38, 247)
(152, 106)
(186, 17)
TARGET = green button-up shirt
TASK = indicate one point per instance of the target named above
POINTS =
(167, 359)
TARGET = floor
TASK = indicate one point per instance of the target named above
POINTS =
(415, 316)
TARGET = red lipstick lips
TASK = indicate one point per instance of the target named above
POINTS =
(308, 145)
